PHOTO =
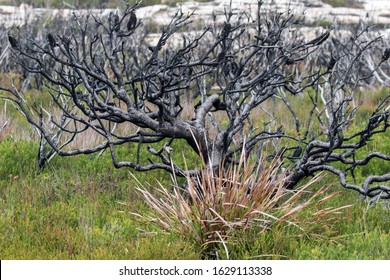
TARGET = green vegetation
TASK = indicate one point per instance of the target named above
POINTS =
(344, 3)
(69, 212)
(84, 4)
(81, 208)
(115, 3)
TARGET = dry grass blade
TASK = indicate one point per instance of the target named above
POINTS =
(219, 207)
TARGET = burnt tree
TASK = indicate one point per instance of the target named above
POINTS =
(102, 73)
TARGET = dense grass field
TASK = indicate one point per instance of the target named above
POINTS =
(81, 208)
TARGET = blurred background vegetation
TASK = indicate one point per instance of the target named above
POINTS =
(84, 4)
(345, 3)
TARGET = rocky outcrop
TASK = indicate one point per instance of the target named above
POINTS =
(315, 12)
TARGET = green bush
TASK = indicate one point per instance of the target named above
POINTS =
(344, 3)
(18, 158)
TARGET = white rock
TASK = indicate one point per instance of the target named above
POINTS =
(376, 12)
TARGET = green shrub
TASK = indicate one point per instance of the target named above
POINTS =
(18, 158)
(344, 3)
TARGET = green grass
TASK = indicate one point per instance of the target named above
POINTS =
(79, 208)
(72, 213)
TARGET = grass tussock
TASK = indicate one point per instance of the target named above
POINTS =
(220, 208)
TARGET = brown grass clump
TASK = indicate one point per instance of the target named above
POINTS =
(219, 207)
